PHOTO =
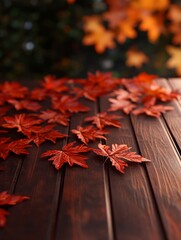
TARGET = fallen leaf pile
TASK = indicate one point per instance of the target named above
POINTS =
(33, 117)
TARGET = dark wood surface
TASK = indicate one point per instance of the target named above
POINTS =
(99, 203)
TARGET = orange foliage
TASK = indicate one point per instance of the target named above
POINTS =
(124, 19)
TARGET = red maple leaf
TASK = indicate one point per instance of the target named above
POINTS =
(12, 90)
(154, 111)
(68, 154)
(25, 104)
(96, 85)
(51, 83)
(55, 117)
(103, 119)
(8, 199)
(160, 93)
(123, 94)
(11, 199)
(121, 104)
(3, 216)
(66, 103)
(16, 146)
(3, 111)
(140, 82)
(38, 94)
(88, 133)
(23, 122)
(41, 134)
(118, 155)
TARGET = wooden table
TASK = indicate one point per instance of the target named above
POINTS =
(99, 203)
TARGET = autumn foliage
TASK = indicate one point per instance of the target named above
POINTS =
(122, 21)
(32, 117)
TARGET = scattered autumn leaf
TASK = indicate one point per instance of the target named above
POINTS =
(24, 104)
(23, 122)
(85, 134)
(8, 199)
(135, 58)
(154, 111)
(41, 134)
(104, 119)
(97, 35)
(118, 155)
(16, 146)
(66, 103)
(55, 117)
(174, 60)
(69, 153)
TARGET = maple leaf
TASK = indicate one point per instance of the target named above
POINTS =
(154, 111)
(55, 117)
(19, 146)
(135, 58)
(96, 85)
(68, 154)
(38, 94)
(51, 83)
(104, 119)
(23, 122)
(12, 90)
(66, 103)
(153, 24)
(150, 4)
(85, 134)
(43, 133)
(97, 35)
(121, 104)
(118, 155)
(16, 146)
(174, 60)
(11, 199)
(158, 92)
(174, 15)
(123, 94)
(138, 84)
(24, 104)
(126, 30)
(8, 199)
(3, 111)
(3, 216)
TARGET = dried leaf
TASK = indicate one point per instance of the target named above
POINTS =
(135, 58)
(104, 119)
(85, 134)
(118, 155)
(174, 60)
(154, 111)
(68, 154)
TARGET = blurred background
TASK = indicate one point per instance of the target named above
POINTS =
(70, 38)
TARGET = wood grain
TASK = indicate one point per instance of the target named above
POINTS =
(99, 203)
(164, 171)
(173, 117)
(82, 213)
(134, 213)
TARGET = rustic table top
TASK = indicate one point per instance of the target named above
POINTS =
(99, 203)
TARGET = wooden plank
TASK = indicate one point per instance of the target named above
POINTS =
(173, 118)
(134, 212)
(164, 171)
(82, 213)
(39, 180)
(8, 176)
